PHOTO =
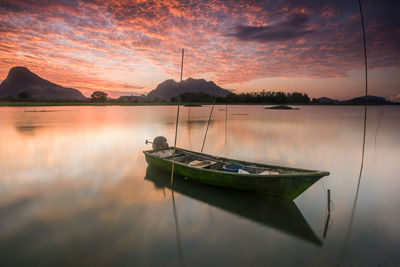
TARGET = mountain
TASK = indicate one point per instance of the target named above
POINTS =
(22, 80)
(370, 100)
(169, 88)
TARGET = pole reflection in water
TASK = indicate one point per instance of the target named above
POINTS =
(178, 235)
(282, 215)
(353, 210)
(378, 126)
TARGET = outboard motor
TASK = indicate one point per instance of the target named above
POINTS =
(159, 143)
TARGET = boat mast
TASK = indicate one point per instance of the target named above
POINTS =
(176, 124)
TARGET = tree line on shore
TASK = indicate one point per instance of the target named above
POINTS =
(187, 97)
(263, 97)
(243, 98)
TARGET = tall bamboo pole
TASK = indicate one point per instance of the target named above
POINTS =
(176, 124)
(353, 210)
(226, 125)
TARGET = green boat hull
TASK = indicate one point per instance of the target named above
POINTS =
(287, 186)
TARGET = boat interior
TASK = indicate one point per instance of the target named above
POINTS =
(204, 161)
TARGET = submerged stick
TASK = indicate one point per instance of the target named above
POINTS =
(176, 125)
(326, 225)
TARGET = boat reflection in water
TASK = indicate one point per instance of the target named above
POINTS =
(280, 214)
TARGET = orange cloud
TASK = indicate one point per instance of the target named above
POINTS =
(122, 45)
(395, 97)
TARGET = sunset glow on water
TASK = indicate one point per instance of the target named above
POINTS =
(75, 188)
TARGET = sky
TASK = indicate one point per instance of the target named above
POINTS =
(309, 46)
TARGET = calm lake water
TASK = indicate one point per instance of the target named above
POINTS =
(75, 189)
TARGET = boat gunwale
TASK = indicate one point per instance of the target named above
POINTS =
(304, 172)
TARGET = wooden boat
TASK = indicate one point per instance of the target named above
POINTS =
(284, 182)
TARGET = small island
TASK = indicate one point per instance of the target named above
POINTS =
(284, 107)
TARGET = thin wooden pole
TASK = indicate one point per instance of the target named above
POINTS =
(365, 49)
(226, 112)
(353, 210)
(176, 124)
(365, 122)
(208, 124)
(188, 124)
(329, 201)
(226, 125)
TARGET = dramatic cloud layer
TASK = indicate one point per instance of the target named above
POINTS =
(293, 27)
(126, 45)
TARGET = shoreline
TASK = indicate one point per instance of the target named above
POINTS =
(54, 104)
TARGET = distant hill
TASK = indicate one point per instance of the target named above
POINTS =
(169, 88)
(117, 94)
(327, 100)
(370, 100)
(22, 80)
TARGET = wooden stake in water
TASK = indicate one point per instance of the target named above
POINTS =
(176, 125)
(329, 214)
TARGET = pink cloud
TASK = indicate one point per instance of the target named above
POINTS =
(395, 97)
(115, 44)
